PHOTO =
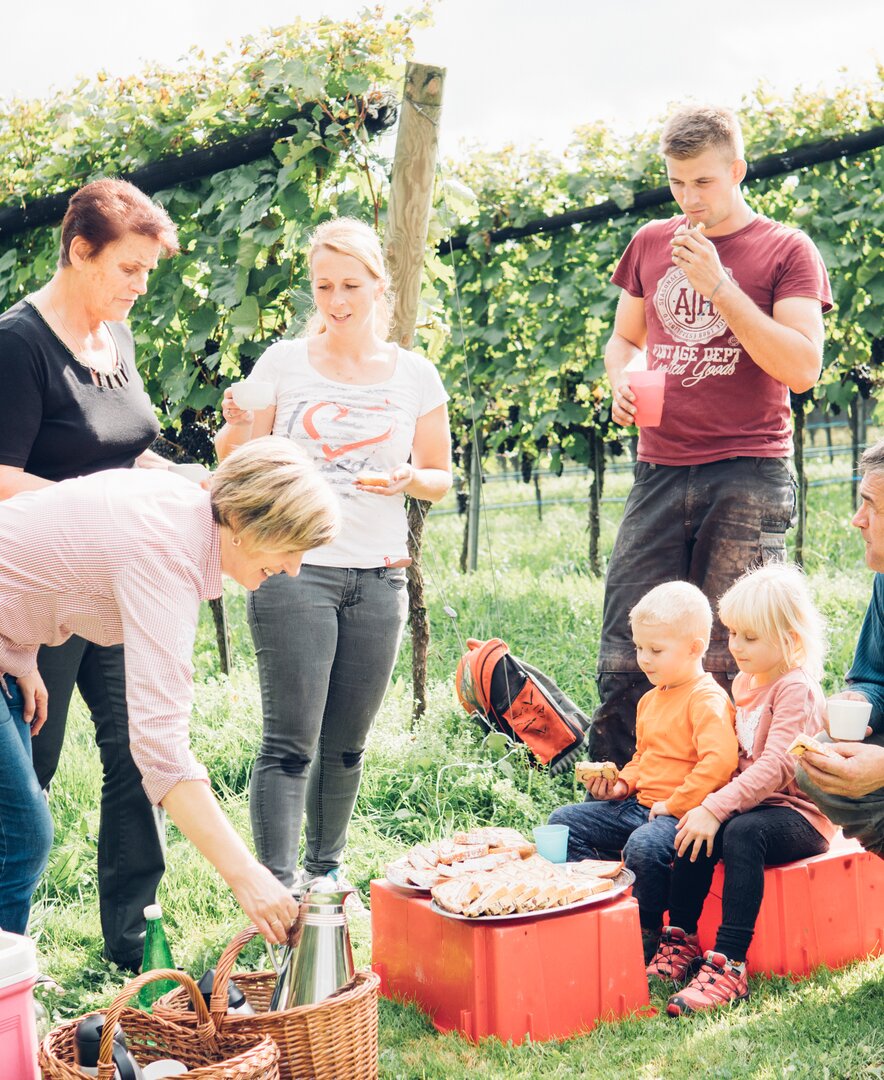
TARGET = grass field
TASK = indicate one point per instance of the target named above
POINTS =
(532, 590)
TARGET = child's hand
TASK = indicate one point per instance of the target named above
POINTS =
(659, 809)
(696, 828)
(607, 790)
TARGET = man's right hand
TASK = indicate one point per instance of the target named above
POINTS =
(853, 769)
(623, 406)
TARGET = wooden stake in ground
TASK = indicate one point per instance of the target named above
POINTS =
(408, 218)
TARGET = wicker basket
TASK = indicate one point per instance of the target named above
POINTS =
(208, 1053)
(336, 1039)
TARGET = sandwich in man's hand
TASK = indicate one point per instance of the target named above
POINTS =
(804, 742)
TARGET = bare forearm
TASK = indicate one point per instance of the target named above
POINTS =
(782, 352)
(192, 806)
(149, 459)
(230, 437)
(429, 484)
(618, 353)
(14, 481)
(194, 809)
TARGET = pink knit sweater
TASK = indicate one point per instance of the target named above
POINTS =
(768, 719)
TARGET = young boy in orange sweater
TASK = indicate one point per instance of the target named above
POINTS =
(686, 748)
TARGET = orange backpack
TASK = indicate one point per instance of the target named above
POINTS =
(510, 695)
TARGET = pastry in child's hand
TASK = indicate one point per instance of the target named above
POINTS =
(591, 770)
(804, 742)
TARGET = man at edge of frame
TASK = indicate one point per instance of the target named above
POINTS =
(730, 305)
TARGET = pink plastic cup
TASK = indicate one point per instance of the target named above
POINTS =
(648, 387)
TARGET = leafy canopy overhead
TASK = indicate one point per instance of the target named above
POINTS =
(530, 317)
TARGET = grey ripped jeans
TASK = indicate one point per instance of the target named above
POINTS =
(705, 524)
(326, 642)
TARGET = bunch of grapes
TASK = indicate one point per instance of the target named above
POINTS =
(861, 376)
(195, 438)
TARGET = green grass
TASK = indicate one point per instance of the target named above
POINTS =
(423, 780)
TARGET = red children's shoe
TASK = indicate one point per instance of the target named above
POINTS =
(675, 956)
(718, 982)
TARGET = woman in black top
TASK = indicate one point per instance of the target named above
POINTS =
(72, 403)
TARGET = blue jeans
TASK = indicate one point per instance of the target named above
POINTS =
(25, 822)
(602, 830)
(326, 642)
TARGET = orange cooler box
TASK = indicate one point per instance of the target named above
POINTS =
(825, 910)
(542, 978)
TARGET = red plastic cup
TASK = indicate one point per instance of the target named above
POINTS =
(648, 387)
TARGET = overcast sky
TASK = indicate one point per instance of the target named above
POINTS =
(518, 70)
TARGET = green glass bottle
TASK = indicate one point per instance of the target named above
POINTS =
(157, 955)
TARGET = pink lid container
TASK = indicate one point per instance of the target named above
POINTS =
(18, 1032)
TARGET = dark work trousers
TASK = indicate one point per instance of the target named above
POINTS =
(705, 524)
(131, 831)
(763, 836)
(861, 818)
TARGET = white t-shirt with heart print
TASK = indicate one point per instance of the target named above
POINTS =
(348, 430)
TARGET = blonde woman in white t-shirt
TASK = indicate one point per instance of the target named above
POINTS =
(366, 411)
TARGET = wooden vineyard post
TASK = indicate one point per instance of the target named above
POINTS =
(800, 526)
(597, 465)
(467, 466)
(854, 413)
(219, 615)
(408, 219)
(475, 503)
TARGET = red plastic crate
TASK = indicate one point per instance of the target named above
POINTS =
(825, 910)
(540, 978)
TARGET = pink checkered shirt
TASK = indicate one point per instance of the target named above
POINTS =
(125, 556)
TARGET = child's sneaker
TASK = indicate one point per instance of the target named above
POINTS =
(718, 982)
(675, 955)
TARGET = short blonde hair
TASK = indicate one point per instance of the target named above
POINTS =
(349, 236)
(694, 129)
(774, 602)
(677, 605)
(270, 493)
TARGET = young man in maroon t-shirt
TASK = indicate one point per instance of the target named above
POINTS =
(729, 304)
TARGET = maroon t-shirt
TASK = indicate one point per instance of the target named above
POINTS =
(718, 403)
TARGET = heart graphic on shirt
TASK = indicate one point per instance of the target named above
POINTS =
(320, 420)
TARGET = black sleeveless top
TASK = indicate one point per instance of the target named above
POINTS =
(55, 421)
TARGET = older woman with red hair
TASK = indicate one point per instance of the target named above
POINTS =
(72, 403)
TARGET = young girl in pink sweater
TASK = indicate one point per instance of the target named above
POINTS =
(760, 818)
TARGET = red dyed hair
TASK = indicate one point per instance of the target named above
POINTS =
(105, 210)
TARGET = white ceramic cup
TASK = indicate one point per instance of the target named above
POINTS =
(191, 470)
(252, 394)
(848, 718)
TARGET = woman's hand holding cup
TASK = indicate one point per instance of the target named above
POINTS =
(232, 413)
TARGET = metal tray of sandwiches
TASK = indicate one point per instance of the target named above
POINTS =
(495, 874)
